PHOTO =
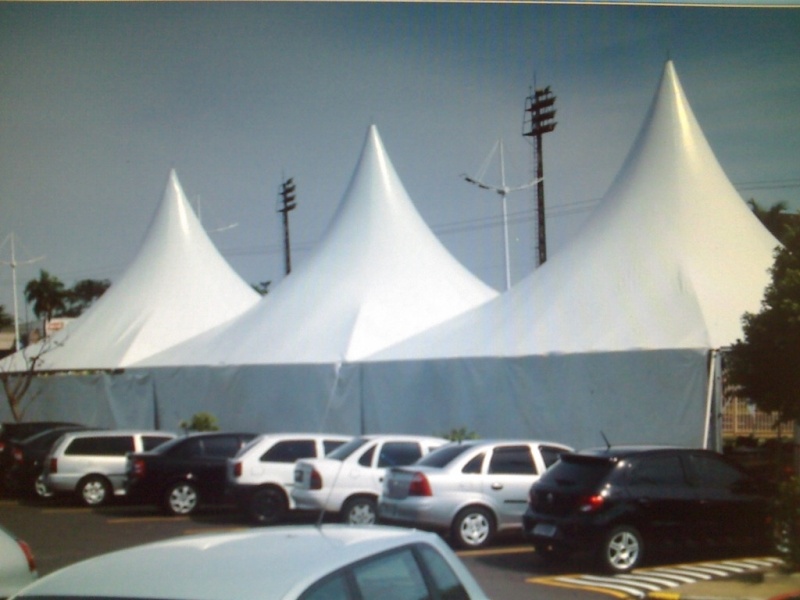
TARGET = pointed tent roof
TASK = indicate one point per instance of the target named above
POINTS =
(671, 258)
(378, 276)
(177, 286)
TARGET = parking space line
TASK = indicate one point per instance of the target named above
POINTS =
(575, 584)
(153, 519)
(495, 551)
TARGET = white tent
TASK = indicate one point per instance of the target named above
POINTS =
(671, 258)
(378, 276)
(177, 286)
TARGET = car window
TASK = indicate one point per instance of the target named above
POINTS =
(445, 580)
(223, 446)
(577, 472)
(366, 458)
(399, 454)
(550, 455)
(512, 460)
(331, 445)
(444, 455)
(710, 471)
(188, 449)
(392, 576)
(474, 465)
(333, 587)
(289, 451)
(118, 445)
(345, 450)
(152, 441)
(663, 470)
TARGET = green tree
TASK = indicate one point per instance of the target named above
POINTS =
(47, 294)
(5, 318)
(775, 218)
(764, 363)
(82, 295)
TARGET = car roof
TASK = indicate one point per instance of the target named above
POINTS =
(117, 432)
(402, 436)
(258, 563)
(631, 450)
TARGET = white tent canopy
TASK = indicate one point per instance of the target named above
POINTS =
(671, 258)
(378, 276)
(177, 286)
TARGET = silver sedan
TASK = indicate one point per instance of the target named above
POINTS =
(469, 489)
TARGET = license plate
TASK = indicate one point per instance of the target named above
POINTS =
(545, 530)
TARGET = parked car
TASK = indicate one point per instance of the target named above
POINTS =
(184, 473)
(471, 489)
(616, 502)
(349, 480)
(261, 476)
(15, 432)
(286, 563)
(17, 564)
(25, 474)
(91, 464)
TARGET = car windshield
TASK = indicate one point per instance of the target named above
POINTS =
(345, 450)
(444, 455)
(584, 472)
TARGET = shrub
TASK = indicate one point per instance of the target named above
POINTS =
(787, 523)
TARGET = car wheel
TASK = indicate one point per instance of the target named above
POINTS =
(473, 528)
(268, 506)
(622, 550)
(94, 490)
(41, 489)
(361, 510)
(181, 498)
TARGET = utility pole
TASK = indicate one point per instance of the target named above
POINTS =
(287, 204)
(539, 119)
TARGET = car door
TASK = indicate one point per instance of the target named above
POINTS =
(731, 508)
(209, 462)
(662, 503)
(510, 472)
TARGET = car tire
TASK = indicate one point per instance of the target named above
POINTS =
(94, 490)
(473, 528)
(622, 550)
(181, 498)
(361, 510)
(40, 488)
(268, 505)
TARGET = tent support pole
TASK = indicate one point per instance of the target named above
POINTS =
(713, 394)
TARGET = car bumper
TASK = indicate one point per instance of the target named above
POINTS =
(569, 534)
(417, 512)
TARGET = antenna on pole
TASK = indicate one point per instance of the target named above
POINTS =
(287, 204)
(538, 120)
(13, 264)
(503, 190)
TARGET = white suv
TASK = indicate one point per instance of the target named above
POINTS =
(92, 463)
(261, 475)
(349, 480)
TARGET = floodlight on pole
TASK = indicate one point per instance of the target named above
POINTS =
(503, 190)
(13, 264)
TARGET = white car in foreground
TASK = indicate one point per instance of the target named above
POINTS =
(348, 481)
(17, 564)
(286, 562)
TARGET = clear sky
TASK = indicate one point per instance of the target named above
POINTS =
(99, 100)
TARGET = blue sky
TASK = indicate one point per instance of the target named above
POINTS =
(99, 100)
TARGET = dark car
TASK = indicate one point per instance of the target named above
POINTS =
(14, 432)
(24, 474)
(184, 472)
(619, 502)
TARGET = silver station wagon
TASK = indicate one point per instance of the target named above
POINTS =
(471, 490)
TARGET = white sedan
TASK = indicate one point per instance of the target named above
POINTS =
(17, 564)
(306, 562)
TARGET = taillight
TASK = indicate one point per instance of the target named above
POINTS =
(2, 446)
(138, 468)
(54, 465)
(26, 550)
(237, 469)
(419, 486)
(17, 454)
(315, 480)
(591, 503)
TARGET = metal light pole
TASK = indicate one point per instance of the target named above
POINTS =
(13, 264)
(502, 191)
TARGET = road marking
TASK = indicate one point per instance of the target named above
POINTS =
(654, 582)
(495, 551)
(154, 519)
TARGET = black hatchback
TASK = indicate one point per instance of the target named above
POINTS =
(617, 502)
